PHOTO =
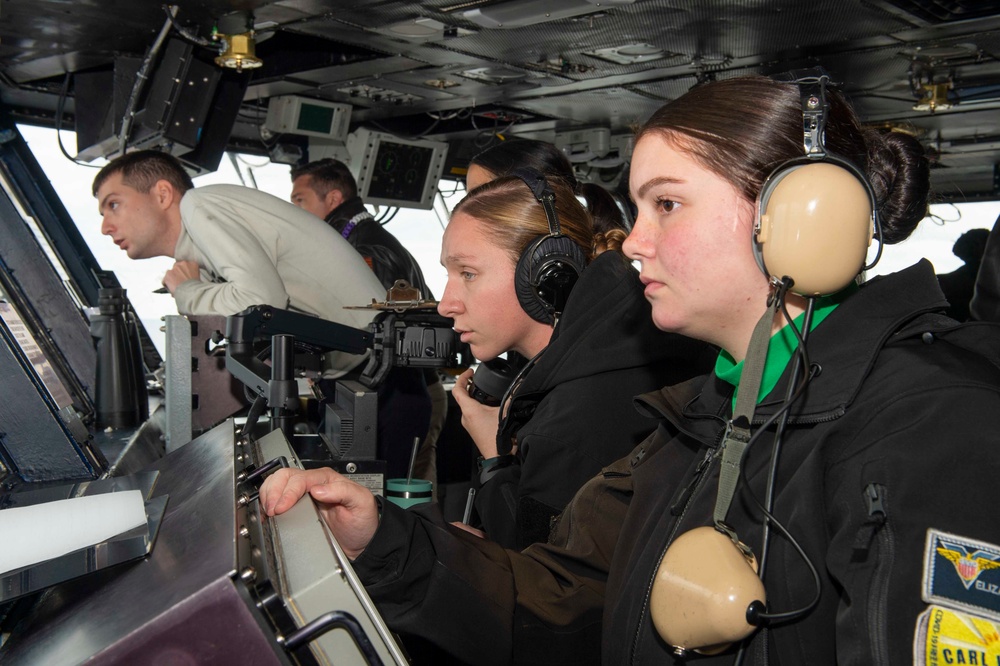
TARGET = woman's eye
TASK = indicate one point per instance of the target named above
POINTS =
(666, 205)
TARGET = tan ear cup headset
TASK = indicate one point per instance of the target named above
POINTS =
(551, 264)
(702, 591)
(816, 215)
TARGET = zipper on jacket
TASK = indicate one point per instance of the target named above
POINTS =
(686, 496)
(677, 508)
(881, 547)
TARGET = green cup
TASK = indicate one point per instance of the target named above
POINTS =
(408, 493)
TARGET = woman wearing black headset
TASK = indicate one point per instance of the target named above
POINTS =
(846, 455)
(581, 321)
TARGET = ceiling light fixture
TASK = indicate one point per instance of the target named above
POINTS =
(498, 74)
(417, 28)
(628, 54)
(421, 30)
(941, 53)
(521, 13)
(441, 84)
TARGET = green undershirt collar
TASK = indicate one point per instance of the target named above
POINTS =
(782, 345)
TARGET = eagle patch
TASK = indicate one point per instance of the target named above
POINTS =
(961, 573)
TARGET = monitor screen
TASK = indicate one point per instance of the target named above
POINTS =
(315, 118)
(396, 172)
(400, 171)
(302, 116)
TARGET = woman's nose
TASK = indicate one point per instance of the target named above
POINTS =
(448, 306)
(637, 245)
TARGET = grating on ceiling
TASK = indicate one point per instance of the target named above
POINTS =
(946, 11)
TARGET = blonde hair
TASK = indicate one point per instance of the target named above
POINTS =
(514, 218)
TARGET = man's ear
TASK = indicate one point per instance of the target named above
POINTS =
(333, 199)
(165, 194)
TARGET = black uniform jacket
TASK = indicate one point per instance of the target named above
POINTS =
(383, 252)
(985, 305)
(573, 412)
(892, 438)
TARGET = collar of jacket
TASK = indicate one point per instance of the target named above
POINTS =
(846, 347)
(607, 325)
(342, 214)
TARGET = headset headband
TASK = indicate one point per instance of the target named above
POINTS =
(815, 110)
(539, 187)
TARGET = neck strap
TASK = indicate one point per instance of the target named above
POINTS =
(737, 436)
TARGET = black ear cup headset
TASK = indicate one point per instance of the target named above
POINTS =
(551, 264)
(491, 380)
(544, 276)
(816, 214)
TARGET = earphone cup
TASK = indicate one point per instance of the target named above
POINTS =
(814, 225)
(702, 590)
(545, 275)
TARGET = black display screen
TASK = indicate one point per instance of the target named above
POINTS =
(399, 172)
(314, 118)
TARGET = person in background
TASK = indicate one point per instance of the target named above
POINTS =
(985, 305)
(503, 158)
(235, 247)
(872, 551)
(327, 189)
(623, 200)
(959, 285)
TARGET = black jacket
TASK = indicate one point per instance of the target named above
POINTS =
(896, 414)
(386, 255)
(958, 287)
(573, 412)
(886, 443)
(985, 305)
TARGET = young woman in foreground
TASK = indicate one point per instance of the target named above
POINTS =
(882, 458)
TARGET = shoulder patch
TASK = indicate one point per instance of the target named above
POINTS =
(961, 573)
(947, 636)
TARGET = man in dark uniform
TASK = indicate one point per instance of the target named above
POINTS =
(327, 189)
